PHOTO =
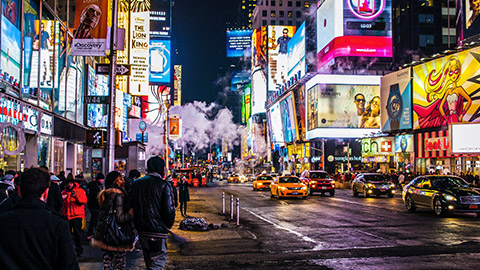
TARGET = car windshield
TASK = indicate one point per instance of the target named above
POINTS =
(448, 182)
(320, 175)
(266, 177)
(289, 180)
(375, 178)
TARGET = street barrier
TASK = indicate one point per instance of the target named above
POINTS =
(238, 211)
(231, 207)
(223, 203)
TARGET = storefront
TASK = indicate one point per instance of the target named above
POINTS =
(299, 157)
(466, 145)
(433, 153)
(342, 155)
(378, 154)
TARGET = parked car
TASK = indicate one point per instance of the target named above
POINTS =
(288, 186)
(372, 184)
(263, 181)
(443, 194)
(318, 181)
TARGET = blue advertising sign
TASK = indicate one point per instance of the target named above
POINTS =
(288, 119)
(10, 52)
(296, 54)
(239, 79)
(239, 43)
(159, 61)
(396, 94)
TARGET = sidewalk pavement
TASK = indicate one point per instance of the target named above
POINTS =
(198, 208)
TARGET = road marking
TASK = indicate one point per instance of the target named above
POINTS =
(254, 236)
(318, 245)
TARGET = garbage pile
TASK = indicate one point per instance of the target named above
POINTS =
(196, 224)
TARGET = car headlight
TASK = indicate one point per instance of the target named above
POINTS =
(304, 188)
(370, 185)
(282, 188)
(449, 197)
(392, 185)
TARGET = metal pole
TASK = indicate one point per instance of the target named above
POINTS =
(223, 203)
(110, 155)
(231, 207)
(167, 130)
(238, 211)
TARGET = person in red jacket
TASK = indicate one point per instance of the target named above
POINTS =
(74, 200)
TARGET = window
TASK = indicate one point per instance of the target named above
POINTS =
(280, 3)
(290, 23)
(298, 14)
(273, 14)
(299, 23)
(281, 13)
(290, 4)
(264, 22)
(424, 40)
(425, 18)
(307, 4)
(273, 22)
(272, 3)
(281, 22)
(298, 4)
(264, 13)
(289, 14)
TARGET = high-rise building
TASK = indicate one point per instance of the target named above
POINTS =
(245, 13)
(276, 12)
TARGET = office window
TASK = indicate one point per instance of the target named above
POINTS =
(290, 23)
(298, 14)
(424, 40)
(298, 4)
(272, 3)
(281, 13)
(281, 22)
(264, 13)
(280, 3)
(264, 22)
(273, 22)
(426, 18)
(299, 23)
(290, 3)
(272, 14)
(289, 14)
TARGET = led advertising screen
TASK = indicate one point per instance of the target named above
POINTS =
(160, 19)
(275, 124)
(445, 90)
(404, 143)
(366, 32)
(177, 85)
(296, 54)
(288, 119)
(159, 61)
(259, 48)
(10, 51)
(259, 92)
(471, 18)
(239, 79)
(248, 101)
(396, 95)
(462, 140)
(139, 52)
(278, 38)
(97, 115)
(239, 43)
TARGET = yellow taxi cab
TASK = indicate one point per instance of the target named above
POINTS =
(288, 186)
(234, 178)
(262, 181)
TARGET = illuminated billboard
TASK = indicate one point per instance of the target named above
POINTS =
(396, 95)
(239, 43)
(296, 54)
(288, 119)
(471, 18)
(342, 106)
(177, 85)
(10, 51)
(160, 19)
(97, 115)
(159, 61)
(353, 28)
(259, 48)
(445, 90)
(248, 101)
(275, 124)
(259, 92)
(462, 140)
(239, 79)
(278, 39)
(139, 52)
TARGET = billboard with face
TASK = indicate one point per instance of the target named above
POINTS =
(471, 18)
(159, 61)
(239, 43)
(288, 119)
(296, 54)
(396, 95)
(278, 38)
(445, 90)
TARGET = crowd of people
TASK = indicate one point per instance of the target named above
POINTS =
(43, 216)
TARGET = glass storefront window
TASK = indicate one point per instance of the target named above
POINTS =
(31, 43)
(10, 142)
(44, 151)
(44, 41)
(58, 156)
(79, 165)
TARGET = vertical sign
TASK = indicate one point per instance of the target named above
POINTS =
(177, 85)
(159, 61)
(139, 55)
(160, 19)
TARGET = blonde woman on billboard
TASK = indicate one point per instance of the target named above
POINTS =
(446, 97)
(371, 116)
(474, 12)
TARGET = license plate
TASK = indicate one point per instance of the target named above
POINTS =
(473, 206)
(294, 193)
(382, 190)
(324, 187)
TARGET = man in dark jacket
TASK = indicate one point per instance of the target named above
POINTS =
(32, 236)
(151, 199)
(94, 188)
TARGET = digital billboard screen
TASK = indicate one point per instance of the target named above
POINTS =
(239, 43)
(288, 119)
(445, 90)
(160, 19)
(159, 61)
(239, 79)
(97, 115)
(275, 125)
(296, 54)
(278, 38)
(259, 48)
(396, 94)
(471, 18)
(10, 51)
(259, 92)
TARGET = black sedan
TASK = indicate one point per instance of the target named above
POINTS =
(372, 183)
(441, 193)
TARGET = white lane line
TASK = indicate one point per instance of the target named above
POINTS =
(318, 245)
(254, 236)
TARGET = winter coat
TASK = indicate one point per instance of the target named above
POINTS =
(94, 189)
(113, 196)
(183, 193)
(54, 199)
(33, 237)
(74, 207)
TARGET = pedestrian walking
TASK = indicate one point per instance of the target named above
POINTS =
(54, 200)
(32, 236)
(74, 200)
(152, 201)
(132, 175)
(183, 195)
(112, 199)
(93, 206)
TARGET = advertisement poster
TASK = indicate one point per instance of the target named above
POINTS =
(259, 92)
(300, 108)
(275, 124)
(123, 22)
(10, 52)
(278, 38)
(296, 54)
(471, 18)
(248, 102)
(462, 140)
(159, 61)
(30, 57)
(445, 90)
(239, 43)
(160, 19)
(404, 143)
(177, 85)
(377, 146)
(139, 53)
(174, 127)
(259, 48)
(239, 79)
(396, 95)
(97, 115)
(89, 38)
(343, 106)
(288, 119)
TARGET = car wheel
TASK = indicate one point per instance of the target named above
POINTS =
(254, 189)
(271, 194)
(438, 207)
(365, 193)
(409, 204)
(304, 197)
(390, 195)
(354, 191)
(332, 193)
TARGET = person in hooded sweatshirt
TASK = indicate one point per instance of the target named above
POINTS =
(74, 200)
(152, 201)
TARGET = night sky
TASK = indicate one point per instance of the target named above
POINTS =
(198, 29)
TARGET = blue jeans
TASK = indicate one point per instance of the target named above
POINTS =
(154, 252)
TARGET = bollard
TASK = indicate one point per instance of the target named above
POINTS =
(231, 207)
(238, 211)
(223, 203)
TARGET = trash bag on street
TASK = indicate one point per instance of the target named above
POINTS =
(194, 224)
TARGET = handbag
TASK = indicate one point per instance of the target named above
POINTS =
(117, 234)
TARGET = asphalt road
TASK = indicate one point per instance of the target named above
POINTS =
(323, 232)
